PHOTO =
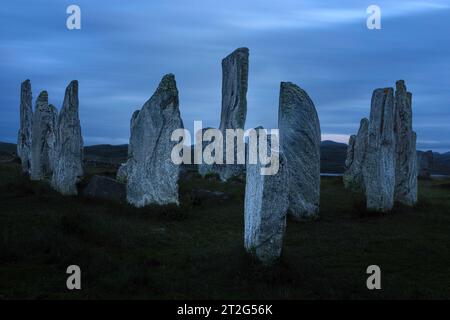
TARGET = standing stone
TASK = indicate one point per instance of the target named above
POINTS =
(350, 151)
(152, 176)
(26, 123)
(266, 205)
(379, 172)
(300, 142)
(122, 173)
(203, 168)
(234, 90)
(234, 108)
(68, 166)
(43, 138)
(406, 154)
(425, 164)
(356, 156)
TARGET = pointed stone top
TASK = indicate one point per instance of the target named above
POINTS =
(400, 85)
(71, 96)
(166, 94)
(238, 52)
(167, 83)
(25, 89)
(43, 96)
(364, 121)
(72, 90)
(73, 85)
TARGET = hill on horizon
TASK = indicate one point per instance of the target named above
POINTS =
(332, 156)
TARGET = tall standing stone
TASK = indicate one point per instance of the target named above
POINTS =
(68, 167)
(152, 177)
(356, 157)
(234, 108)
(406, 157)
(43, 138)
(300, 142)
(266, 205)
(379, 172)
(26, 123)
(234, 90)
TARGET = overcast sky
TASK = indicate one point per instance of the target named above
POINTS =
(125, 47)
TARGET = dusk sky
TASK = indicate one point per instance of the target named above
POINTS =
(125, 47)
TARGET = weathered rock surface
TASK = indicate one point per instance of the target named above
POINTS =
(350, 151)
(152, 176)
(234, 90)
(234, 108)
(26, 123)
(105, 188)
(43, 138)
(379, 175)
(406, 155)
(300, 142)
(266, 205)
(204, 168)
(122, 173)
(68, 166)
(425, 164)
(356, 156)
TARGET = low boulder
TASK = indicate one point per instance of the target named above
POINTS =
(106, 189)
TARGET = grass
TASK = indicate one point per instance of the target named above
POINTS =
(195, 251)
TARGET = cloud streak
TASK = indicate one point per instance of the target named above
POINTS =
(123, 50)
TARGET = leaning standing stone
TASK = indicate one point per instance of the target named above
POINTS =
(69, 144)
(300, 142)
(152, 176)
(356, 157)
(266, 205)
(26, 122)
(379, 175)
(43, 138)
(406, 157)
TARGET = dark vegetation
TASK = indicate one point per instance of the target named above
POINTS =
(196, 250)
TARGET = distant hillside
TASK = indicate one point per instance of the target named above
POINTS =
(8, 147)
(106, 153)
(332, 157)
(441, 163)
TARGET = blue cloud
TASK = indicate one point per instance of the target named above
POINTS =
(123, 50)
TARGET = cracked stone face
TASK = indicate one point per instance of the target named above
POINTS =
(152, 177)
(234, 108)
(300, 137)
(266, 205)
(43, 138)
(68, 166)
(379, 171)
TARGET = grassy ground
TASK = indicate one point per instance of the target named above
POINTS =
(196, 251)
